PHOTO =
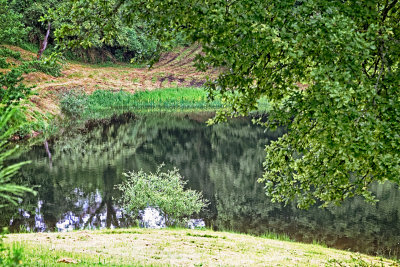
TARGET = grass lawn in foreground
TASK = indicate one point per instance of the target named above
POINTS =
(177, 247)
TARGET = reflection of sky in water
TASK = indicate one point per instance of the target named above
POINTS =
(150, 217)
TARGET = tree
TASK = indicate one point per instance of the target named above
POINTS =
(30, 14)
(330, 70)
(12, 30)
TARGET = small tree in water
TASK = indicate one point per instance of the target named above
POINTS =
(163, 191)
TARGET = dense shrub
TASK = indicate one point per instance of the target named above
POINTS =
(41, 66)
(163, 191)
(12, 30)
(31, 11)
(12, 91)
(5, 52)
(3, 63)
(135, 43)
(51, 65)
(73, 103)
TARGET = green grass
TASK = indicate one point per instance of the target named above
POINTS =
(175, 98)
(103, 104)
(34, 48)
(177, 247)
(109, 64)
(273, 235)
(5, 52)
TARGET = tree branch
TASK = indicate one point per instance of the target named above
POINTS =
(387, 8)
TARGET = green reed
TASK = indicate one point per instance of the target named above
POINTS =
(161, 99)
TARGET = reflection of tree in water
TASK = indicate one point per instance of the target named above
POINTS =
(82, 166)
(223, 161)
(242, 206)
(109, 178)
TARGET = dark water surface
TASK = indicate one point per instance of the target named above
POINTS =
(76, 189)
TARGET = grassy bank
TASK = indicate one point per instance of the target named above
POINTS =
(173, 98)
(102, 103)
(178, 247)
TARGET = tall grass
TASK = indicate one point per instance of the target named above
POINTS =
(276, 236)
(102, 103)
(174, 98)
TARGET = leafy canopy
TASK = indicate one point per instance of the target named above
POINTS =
(12, 30)
(330, 70)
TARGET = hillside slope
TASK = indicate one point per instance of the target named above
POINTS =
(174, 69)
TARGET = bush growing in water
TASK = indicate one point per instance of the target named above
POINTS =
(163, 191)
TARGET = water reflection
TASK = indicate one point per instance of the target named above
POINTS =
(223, 161)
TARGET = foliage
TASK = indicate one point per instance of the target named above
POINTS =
(51, 65)
(12, 30)
(163, 191)
(6, 52)
(73, 103)
(343, 122)
(103, 25)
(3, 63)
(12, 90)
(31, 11)
(9, 192)
(136, 44)
(124, 42)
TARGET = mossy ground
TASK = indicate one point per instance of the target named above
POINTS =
(178, 247)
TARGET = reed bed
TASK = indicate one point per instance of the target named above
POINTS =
(170, 98)
(104, 103)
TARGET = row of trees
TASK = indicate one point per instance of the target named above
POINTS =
(37, 22)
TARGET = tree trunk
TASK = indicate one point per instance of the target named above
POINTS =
(46, 146)
(44, 43)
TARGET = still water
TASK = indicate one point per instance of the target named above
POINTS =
(76, 187)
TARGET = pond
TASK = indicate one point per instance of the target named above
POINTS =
(76, 187)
